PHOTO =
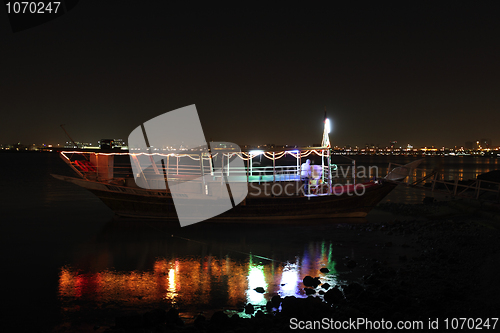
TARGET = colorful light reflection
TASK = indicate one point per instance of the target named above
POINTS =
(196, 281)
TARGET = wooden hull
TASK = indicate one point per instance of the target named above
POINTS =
(132, 202)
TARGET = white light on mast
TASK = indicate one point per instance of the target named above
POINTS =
(325, 142)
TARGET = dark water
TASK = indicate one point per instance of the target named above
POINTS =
(66, 259)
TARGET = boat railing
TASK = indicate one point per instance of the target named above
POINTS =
(270, 173)
(120, 166)
(172, 167)
(256, 174)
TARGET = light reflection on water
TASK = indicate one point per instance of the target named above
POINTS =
(197, 282)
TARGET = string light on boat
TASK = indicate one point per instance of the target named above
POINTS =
(276, 155)
(248, 156)
(243, 155)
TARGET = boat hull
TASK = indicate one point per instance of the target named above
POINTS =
(139, 203)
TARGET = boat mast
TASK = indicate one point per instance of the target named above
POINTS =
(326, 143)
(74, 143)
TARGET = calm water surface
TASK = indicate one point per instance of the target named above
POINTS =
(67, 259)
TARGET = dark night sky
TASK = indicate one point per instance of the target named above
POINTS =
(426, 75)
